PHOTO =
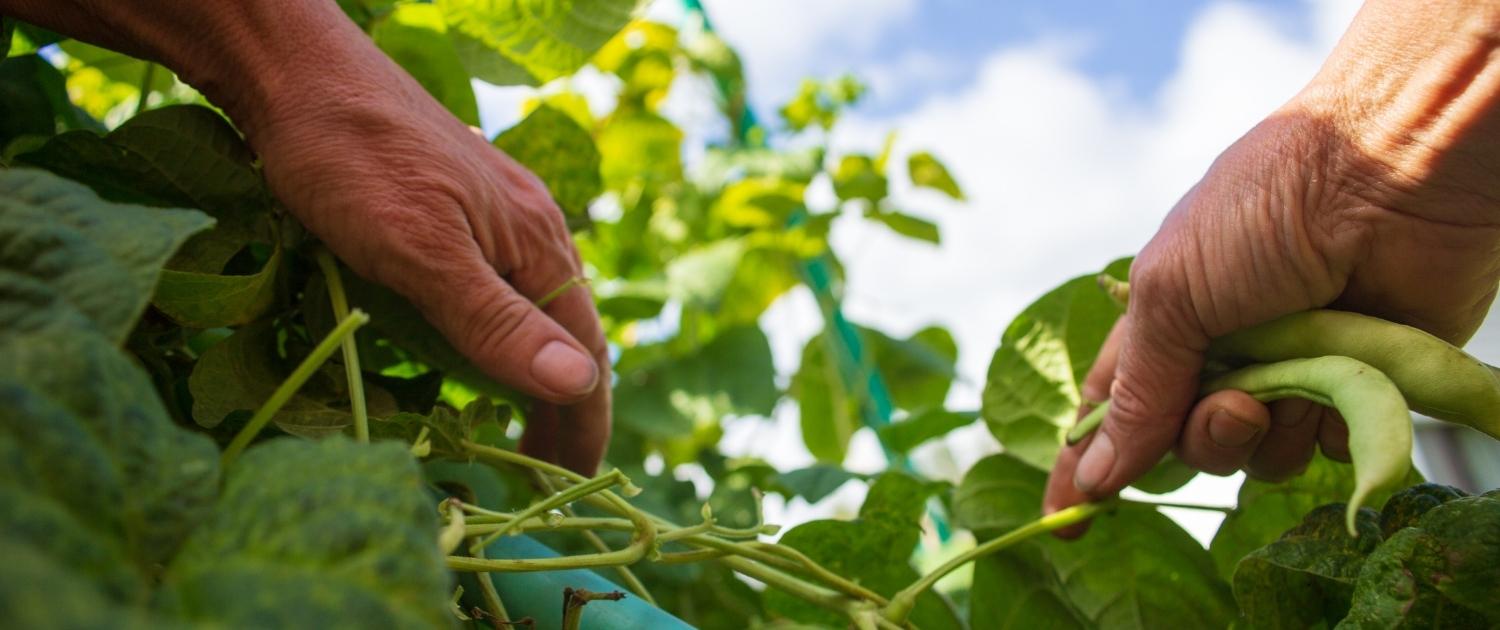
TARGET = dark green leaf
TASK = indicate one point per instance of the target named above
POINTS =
(1307, 576)
(241, 372)
(72, 257)
(919, 369)
(552, 145)
(874, 550)
(907, 434)
(1017, 589)
(829, 410)
(182, 155)
(1406, 506)
(1265, 510)
(36, 101)
(416, 37)
(1031, 393)
(516, 42)
(815, 482)
(446, 430)
(1169, 474)
(928, 172)
(326, 533)
(998, 494)
(208, 300)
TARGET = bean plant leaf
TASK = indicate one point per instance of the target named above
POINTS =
(829, 409)
(873, 550)
(558, 150)
(905, 435)
(36, 100)
(445, 430)
(1134, 568)
(816, 482)
(857, 178)
(241, 372)
(182, 155)
(531, 42)
(73, 257)
(1306, 577)
(415, 36)
(210, 300)
(1406, 506)
(639, 148)
(926, 171)
(1031, 393)
(1440, 573)
(669, 397)
(917, 370)
(1265, 510)
(907, 225)
(334, 533)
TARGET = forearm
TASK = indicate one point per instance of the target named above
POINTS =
(1414, 86)
(244, 55)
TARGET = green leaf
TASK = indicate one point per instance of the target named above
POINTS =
(1017, 589)
(873, 550)
(856, 178)
(644, 56)
(241, 372)
(416, 37)
(908, 225)
(446, 430)
(815, 482)
(78, 258)
(1439, 574)
(1406, 506)
(36, 100)
(998, 494)
(670, 397)
(1134, 569)
(1306, 577)
(638, 148)
(1169, 474)
(182, 155)
(829, 411)
(207, 300)
(558, 150)
(326, 533)
(1031, 393)
(918, 370)
(531, 42)
(905, 435)
(1265, 510)
(759, 202)
(926, 171)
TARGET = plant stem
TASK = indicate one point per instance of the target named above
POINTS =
(556, 293)
(289, 387)
(902, 603)
(626, 575)
(487, 586)
(146, 76)
(340, 302)
(1183, 506)
(613, 477)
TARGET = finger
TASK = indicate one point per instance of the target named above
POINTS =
(1154, 387)
(1095, 388)
(505, 336)
(1333, 436)
(1061, 493)
(1223, 431)
(1288, 446)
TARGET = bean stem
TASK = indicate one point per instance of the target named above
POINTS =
(340, 302)
(289, 387)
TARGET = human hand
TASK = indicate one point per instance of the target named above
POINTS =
(406, 195)
(1368, 192)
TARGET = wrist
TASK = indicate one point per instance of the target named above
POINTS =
(1415, 102)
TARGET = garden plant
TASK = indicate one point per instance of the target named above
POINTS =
(207, 421)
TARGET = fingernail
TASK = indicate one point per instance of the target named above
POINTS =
(561, 368)
(1095, 465)
(1229, 431)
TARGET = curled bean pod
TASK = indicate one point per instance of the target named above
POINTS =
(1437, 378)
(1376, 412)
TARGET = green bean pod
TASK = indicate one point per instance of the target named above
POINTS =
(1437, 378)
(1379, 421)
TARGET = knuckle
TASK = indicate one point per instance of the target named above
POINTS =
(495, 322)
(1131, 411)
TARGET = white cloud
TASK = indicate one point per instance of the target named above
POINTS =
(782, 40)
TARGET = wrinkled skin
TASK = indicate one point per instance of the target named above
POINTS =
(1372, 191)
(404, 193)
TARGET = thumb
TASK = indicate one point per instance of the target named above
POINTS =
(509, 338)
(1155, 385)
